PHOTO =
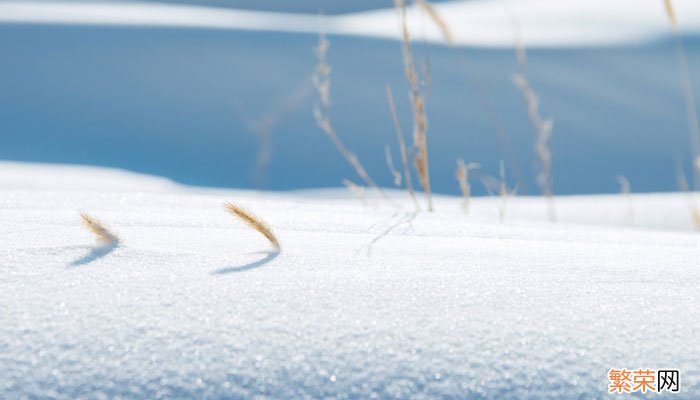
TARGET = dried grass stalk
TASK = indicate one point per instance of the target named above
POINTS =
(462, 175)
(321, 80)
(520, 54)
(543, 127)
(692, 207)
(498, 188)
(690, 108)
(504, 193)
(671, 13)
(254, 222)
(543, 132)
(438, 20)
(265, 124)
(396, 175)
(355, 189)
(402, 147)
(104, 236)
(420, 123)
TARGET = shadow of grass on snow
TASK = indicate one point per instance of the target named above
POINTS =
(95, 254)
(268, 257)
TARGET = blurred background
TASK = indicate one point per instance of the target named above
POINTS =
(219, 92)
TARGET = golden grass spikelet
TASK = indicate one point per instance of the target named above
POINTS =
(438, 20)
(96, 227)
(254, 222)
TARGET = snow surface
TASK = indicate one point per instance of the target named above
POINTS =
(474, 23)
(364, 301)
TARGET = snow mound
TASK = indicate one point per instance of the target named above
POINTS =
(364, 301)
(475, 23)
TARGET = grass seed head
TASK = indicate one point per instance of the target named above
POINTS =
(96, 227)
(254, 222)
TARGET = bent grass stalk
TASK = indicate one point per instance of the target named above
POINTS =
(254, 222)
(321, 80)
(438, 20)
(420, 123)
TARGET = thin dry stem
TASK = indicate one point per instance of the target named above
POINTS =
(355, 189)
(402, 147)
(498, 189)
(438, 20)
(543, 127)
(692, 207)
(396, 175)
(690, 108)
(543, 132)
(254, 222)
(103, 234)
(671, 13)
(497, 123)
(520, 54)
(321, 80)
(462, 175)
(505, 193)
(264, 125)
(625, 187)
(420, 123)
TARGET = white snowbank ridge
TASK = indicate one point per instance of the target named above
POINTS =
(474, 22)
(362, 302)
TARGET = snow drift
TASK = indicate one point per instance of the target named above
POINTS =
(364, 301)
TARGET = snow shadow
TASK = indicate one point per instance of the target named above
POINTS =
(268, 257)
(407, 219)
(94, 254)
